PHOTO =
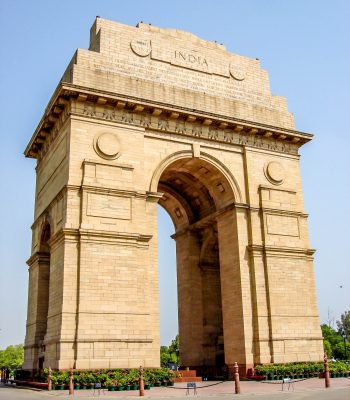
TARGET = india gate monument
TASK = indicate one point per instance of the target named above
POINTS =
(150, 116)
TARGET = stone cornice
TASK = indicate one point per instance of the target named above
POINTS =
(278, 211)
(278, 338)
(82, 234)
(280, 251)
(94, 162)
(38, 258)
(63, 234)
(69, 100)
(119, 192)
(209, 219)
(94, 235)
(154, 196)
(93, 340)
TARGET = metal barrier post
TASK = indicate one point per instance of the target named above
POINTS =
(71, 385)
(237, 384)
(49, 381)
(141, 383)
(326, 371)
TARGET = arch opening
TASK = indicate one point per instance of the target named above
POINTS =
(43, 290)
(195, 192)
(169, 326)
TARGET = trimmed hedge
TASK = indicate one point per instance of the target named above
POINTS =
(113, 377)
(306, 368)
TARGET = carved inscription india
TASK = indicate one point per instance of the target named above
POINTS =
(190, 59)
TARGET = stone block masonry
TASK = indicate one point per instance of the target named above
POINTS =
(150, 116)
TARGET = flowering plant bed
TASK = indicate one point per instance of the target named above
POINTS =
(112, 379)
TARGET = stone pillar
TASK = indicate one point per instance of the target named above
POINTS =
(213, 352)
(52, 299)
(38, 301)
(118, 269)
(235, 289)
(61, 283)
(261, 311)
(190, 303)
(212, 315)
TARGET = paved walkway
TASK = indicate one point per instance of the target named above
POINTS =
(307, 389)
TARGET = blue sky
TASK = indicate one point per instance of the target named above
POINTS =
(304, 45)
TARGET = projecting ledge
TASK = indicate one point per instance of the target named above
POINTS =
(280, 251)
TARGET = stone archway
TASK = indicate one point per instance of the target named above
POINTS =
(130, 125)
(198, 197)
(38, 304)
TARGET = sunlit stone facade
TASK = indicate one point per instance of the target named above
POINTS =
(151, 116)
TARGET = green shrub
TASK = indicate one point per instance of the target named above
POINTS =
(107, 377)
(299, 368)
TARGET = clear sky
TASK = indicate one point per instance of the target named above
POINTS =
(304, 45)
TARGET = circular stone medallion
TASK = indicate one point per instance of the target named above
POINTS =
(237, 72)
(142, 47)
(274, 172)
(107, 145)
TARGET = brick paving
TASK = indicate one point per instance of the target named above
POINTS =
(221, 390)
(227, 388)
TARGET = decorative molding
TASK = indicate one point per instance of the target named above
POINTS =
(154, 196)
(265, 187)
(141, 46)
(278, 211)
(274, 172)
(107, 145)
(141, 340)
(237, 72)
(114, 164)
(70, 99)
(285, 338)
(38, 258)
(107, 237)
(50, 132)
(117, 192)
(277, 251)
(86, 235)
(203, 156)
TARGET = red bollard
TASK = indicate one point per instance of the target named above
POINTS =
(71, 385)
(326, 371)
(49, 381)
(237, 384)
(141, 383)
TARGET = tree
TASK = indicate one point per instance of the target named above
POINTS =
(331, 335)
(170, 354)
(327, 348)
(331, 339)
(164, 356)
(339, 351)
(175, 345)
(12, 357)
(335, 342)
(344, 324)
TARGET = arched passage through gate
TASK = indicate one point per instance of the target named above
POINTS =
(200, 201)
(43, 289)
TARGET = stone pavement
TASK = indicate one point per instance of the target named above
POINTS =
(307, 389)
